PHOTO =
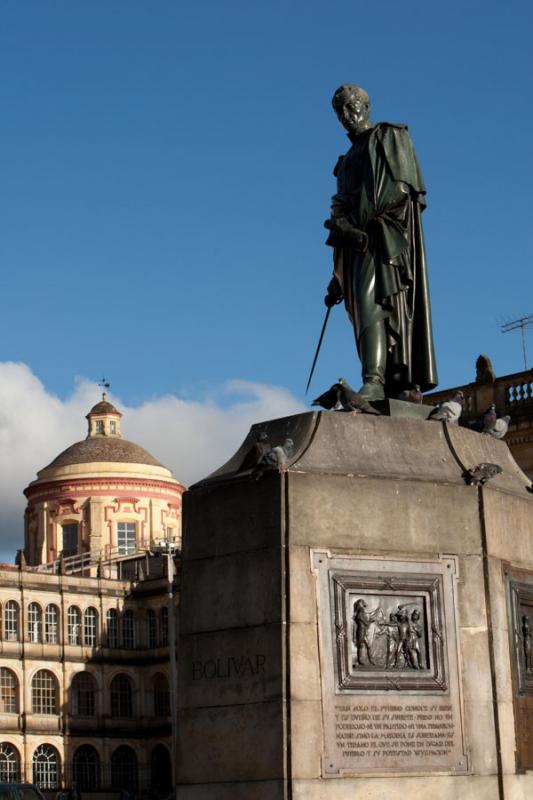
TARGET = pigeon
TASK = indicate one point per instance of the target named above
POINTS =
(353, 401)
(276, 458)
(480, 474)
(449, 410)
(329, 399)
(500, 427)
(489, 419)
(256, 452)
(412, 395)
(343, 394)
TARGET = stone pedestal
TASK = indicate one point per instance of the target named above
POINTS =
(355, 627)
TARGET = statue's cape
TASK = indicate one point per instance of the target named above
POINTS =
(392, 276)
(400, 155)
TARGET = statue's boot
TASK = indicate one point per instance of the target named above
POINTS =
(373, 355)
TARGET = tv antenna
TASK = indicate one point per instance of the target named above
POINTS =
(520, 324)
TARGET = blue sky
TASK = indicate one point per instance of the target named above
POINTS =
(166, 169)
(165, 172)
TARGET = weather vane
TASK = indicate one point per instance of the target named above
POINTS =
(104, 383)
(520, 324)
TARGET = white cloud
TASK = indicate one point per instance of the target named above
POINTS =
(190, 437)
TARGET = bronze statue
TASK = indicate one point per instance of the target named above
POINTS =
(379, 258)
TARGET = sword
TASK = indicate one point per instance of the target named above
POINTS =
(322, 332)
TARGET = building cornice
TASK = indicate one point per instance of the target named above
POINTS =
(82, 487)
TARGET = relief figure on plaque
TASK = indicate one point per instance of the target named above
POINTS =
(526, 638)
(388, 640)
(362, 619)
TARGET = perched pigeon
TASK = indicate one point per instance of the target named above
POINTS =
(342, 394)
(276, 458)
(500, 427)
(352, 401)
(256, 452)
(412, 395)
(480, 474)
(489, 418)
(329, 399)
(449, 410)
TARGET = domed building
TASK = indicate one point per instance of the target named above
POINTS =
(101, 497)
(87, 634)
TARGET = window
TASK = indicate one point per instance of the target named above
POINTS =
(70, 539)
(99, 426)
(112, 426)
(34, 623)
(86, 769)
(74, 625)
(46, 767)
(8, 691)
(128, 630)
(124, 769)
(126, 538)
(9, 764)
(112, 628)
(121, 697)
(164, 625)
(90, 623)
(161, 696)
(51, 626)
(152, 629)
(161, 777)
(11, 621)
(82, 695)
(44, 693)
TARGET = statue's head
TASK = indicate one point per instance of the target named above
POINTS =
(352, 107)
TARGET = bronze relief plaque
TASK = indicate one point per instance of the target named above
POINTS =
(521, 643)
(390, 669)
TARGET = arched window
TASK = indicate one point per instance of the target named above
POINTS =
(86, 769)
(46, 767)
(74, 625)
(112, 628)
(164, 626)
(51, 624)
(9, 763)
(90, 627)
(161, 777)
(161, 696)
(44, 693)
(11, 621)
(82, 695)
(128, 629)
(152, 628)
(124, 769)
(9, 692)
(35, 622)
(121, 696)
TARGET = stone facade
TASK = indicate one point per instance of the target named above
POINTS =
(87, 621)
(512, 395)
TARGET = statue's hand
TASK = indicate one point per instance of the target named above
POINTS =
(343, 232)
(334, 295)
